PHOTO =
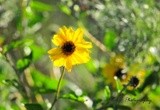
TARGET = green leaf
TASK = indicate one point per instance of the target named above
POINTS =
(38, 52)
(110, 39)
(157, 90)
(118, 85)
(151, 79)
(92, 66)
(23, 63)
(73, 97)
(11, 46)
(40, 6)
(70, 96)
(43, 83)
(33, 106)
(65, 9)
(33, 16)
(2, 107)
(107, 92)
(12, 82)
(15, 106)
(16, 44)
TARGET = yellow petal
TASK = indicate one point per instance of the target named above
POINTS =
(109, 72)
(78, 35)
(60, 62)
(80, 56)
(70, 33)
(67, 33)
(74, 60)
(84, 45)
(68, 64)
(61, 36)
(58, 40)
(63, 30)
(55, 53)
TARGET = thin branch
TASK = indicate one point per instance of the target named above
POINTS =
(20, 82)
(100, 45)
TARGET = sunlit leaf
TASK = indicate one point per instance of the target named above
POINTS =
(70, 96)
(2, 107)
(157, 90)
(40, 6)
(92, 66)
(15, 107)
(107, 92)
(73, 97)
(65, 9)
(24, 62)
(118, 85)
(110, 39)
(33, 16)
(154, 96)
(38, 52)
(33, 107)
(43, 83)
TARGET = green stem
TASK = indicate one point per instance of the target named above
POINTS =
(115, 102)
(119, 95)
(58, 89)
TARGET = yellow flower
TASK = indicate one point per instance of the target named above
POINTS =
(71, 48)
(116, 68)
(136, 77)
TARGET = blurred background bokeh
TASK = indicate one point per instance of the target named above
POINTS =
(125, 35)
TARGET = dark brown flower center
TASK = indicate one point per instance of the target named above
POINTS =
(120, 74)
(68, 48)
(134, 81)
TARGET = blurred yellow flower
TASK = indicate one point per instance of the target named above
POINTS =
(136, 78)
(71, 48)
(116, 68)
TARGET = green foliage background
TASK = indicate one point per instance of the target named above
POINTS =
(28, 79)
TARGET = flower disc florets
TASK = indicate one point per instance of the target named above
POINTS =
(68, 48)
